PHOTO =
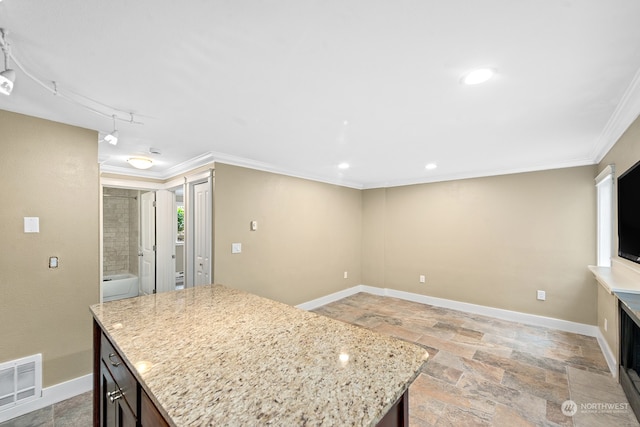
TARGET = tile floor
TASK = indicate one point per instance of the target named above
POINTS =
(74, 412)
(484, 371)
(481, 371)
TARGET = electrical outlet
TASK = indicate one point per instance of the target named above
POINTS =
(346, 275)
(605, 325)
(542, 295)
(423, 279)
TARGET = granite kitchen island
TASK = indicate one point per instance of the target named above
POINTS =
(213, 355)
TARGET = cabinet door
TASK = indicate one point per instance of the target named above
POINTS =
(125, 417)
(107, 410)
(114, 411)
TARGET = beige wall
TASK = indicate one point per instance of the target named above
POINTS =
(491, 241)
(309, 234)
(624, 154)
(48, 170)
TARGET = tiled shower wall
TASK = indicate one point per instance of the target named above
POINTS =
(120, 231)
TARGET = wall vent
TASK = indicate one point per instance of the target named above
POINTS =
(20, 381)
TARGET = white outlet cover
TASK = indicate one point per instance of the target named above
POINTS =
(236, 248)
(542, 295)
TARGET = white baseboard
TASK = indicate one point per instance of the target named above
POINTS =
(609, 355)
(513, 316)
(50, 395)
(319, 302)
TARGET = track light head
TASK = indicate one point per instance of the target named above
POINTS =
(112, 138)
(7, 77)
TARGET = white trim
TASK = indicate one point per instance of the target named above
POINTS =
(319, 302)
(607, 172)
(479, 174)
(512, 316)
(605, 212)
(50, 395)
(266, 167)
(179, 169)
(609, 356)
(623, 116)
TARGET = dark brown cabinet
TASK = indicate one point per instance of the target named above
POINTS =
(118, 399)
(114, 411)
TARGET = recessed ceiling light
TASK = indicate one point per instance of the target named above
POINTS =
(478, 76)
(343, 166)
(430, 166)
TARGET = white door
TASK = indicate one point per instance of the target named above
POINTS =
(148, 243)
(202, 233)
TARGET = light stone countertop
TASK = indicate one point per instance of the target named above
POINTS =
(212, 355)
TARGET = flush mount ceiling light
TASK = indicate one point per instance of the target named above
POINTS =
(140, 162)
(8, 76)
(343, 166)
(112, 138)
(478, 76)
(431, 166)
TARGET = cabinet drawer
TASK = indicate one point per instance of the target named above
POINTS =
(121, 374)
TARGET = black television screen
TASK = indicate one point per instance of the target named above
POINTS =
(629, 214)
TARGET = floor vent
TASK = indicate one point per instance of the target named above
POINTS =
(20, 381)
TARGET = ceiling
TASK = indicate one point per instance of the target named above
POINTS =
(300, 86)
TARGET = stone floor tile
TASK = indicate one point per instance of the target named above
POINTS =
(423, 408)
(74, 412)
(442, 372)
(556, 416)
(460, 349)
(506, 416)
(456, 416)
(397, 332)
(537, 386)
(41, 418)
(539, 361)
(469, 366)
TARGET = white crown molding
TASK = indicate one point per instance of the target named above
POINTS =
(180, 168)
(266, 167)
(627, 110)
(479, 174)
(215, 157)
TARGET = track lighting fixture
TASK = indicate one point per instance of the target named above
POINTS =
(112, 138)
(8, 76)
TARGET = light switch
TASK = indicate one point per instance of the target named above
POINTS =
(53, 262)
(236, 248)
(31, 224)
(254, 225)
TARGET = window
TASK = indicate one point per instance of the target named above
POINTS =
(604, 186)
(180, 234)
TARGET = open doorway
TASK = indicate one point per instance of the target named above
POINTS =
(170, 246)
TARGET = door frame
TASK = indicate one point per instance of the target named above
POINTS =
(131, 183)
(189, 259)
